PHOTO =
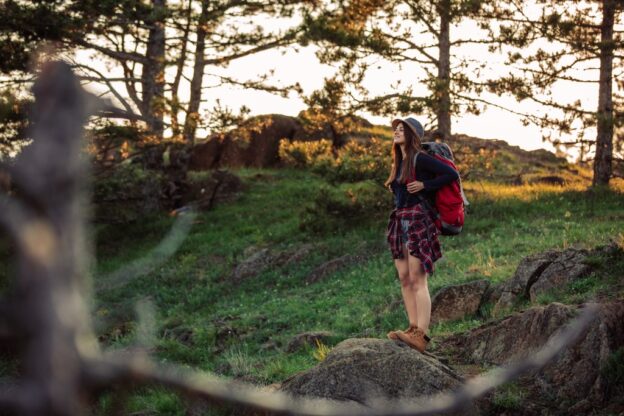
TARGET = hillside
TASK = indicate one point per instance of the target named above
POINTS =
(294, 256)
(248, 280)
(256, 144)
(496, 160)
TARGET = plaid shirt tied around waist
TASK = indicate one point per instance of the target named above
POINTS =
(422, 235)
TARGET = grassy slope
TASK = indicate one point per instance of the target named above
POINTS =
(191, 292)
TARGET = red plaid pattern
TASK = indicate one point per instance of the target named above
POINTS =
(422, 236)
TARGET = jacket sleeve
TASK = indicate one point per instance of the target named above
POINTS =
(444, 173)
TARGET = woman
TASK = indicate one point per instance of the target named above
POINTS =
(412, 234)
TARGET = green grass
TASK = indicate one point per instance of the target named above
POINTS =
(230, 323)
(509, 396)
(204, 320)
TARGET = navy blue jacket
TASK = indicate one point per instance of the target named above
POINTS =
(431, 172)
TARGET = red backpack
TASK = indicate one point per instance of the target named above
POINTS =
(450, 199)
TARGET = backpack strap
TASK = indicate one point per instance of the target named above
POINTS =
(431, 208)
(447, 149)
(415, 158)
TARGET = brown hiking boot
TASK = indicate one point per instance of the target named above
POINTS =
(415, 338)
(394, 334)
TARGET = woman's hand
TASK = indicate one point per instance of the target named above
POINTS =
(415, 186)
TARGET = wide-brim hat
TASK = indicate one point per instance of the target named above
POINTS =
(412, 123)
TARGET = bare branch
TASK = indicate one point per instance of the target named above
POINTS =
(413, 45)
(269, 45)
(108, 83)
(117, 55)
(483, 101)
(424, 17)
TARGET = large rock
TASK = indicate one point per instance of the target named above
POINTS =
(540, 273)
(527, 273)
(574, 375)
(205, 155)
(513, 337)
(457, 301)
(566, 268)
(314, 131)
(363, 370)
(359, 254)
(255, 143)
(252, 265)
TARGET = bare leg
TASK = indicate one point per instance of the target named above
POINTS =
(409, 300)
(417, 283)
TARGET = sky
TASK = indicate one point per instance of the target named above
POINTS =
(304, 68)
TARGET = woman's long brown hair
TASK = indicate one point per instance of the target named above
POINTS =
(412, 146)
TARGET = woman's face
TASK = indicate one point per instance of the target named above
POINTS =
(399, 134)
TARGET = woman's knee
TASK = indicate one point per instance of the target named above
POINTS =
(418, 278)
(414, 283)
(404, 276)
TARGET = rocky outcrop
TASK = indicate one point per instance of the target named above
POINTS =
(363, 370)
(509, 338)
(312, 131)
(331, 266)
(457, 301)
(252, 265)
(205, 155)
(527, 273)
(254, 144)
(577, 374)
(540, 273)
(566, 268)
(574, 376)
(359, 254)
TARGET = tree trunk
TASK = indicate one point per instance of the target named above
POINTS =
(175, 100)
(192, 115)
(153, 73)
(177, 172)
(444, 69)
(604, 139)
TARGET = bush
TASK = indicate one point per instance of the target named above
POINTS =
(354, 162)
(127, 193)
(302, 154)
(340, 208)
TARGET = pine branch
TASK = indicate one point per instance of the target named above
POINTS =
(532, 117)
(286, 40)
(413, 45)
(108, 82)
(424, 17)
(117, 55)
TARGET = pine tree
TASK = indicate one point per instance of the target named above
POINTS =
(143, 40)
(404, 32)
(554, 45)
